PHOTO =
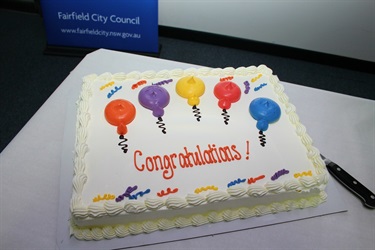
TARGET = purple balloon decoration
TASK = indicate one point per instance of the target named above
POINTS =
(155, 98)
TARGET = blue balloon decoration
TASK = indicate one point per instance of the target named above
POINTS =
(264, 111)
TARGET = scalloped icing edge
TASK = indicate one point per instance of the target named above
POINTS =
(226, 215)
(80, 210)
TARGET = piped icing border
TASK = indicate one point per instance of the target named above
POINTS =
(80, 210)
(149, 226)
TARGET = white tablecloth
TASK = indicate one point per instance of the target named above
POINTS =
(342, 127)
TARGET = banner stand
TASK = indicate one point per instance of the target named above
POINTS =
(78, 27)
(82, 52)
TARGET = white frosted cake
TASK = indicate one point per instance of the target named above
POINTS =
(177, 148)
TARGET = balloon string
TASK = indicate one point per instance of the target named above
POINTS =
(197, 113)
(123, 144)
(161, 125)
(262, 138)
(226, 116)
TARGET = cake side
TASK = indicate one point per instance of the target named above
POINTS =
(200, 196)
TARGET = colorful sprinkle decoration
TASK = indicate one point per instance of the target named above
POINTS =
(163, 82)
(308, 173)
(136, 85)
(104, 197)
(256, 78)
(202, 189)
(247, 87)
(260, 86)
(107, 85)
(139, 194)
(235, 182)
(127, 193)
(279, 173)
(253, 180)
(226, 78)
(113, 91)
(167, 192)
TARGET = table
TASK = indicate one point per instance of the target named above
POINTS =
(343, 128)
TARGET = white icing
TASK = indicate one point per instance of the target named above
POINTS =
(149, 227)
(121, 231)
(174, 202)
(217, 196)
(135, 228)
(165, 224)
(113, 208)
(182, 222)
(274, 187)
(154, 203)
(101, 167)
(198, 220)
(108, 232)
(96, 210)
(214, 217)
(257, 190)
(97, 233)
(277, 207)
(135, 207)
(237, 191)
(244, 213)
(195, 199)
(291, 185)
(229, 215)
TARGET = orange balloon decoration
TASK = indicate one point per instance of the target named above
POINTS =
(120, 113)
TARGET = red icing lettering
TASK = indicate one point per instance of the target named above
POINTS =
(156, 163)
(214, 150)
(138, 152)
(150, 164)
(186, 159)
(168, 166)
(237, 155)
(209, 157)
(187, 156)
(182, 161)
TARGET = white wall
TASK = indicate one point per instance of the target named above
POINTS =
(339, 27)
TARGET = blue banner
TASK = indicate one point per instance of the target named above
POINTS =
(130, 25)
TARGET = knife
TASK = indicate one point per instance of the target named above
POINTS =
(367, 197)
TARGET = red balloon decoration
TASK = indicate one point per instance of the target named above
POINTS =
(227, 92)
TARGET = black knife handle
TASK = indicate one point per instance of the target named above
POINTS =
(367, 197)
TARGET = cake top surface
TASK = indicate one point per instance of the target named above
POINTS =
(176, 138)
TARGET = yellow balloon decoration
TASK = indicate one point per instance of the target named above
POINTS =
(191, 88)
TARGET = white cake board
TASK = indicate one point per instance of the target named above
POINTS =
(334, 204)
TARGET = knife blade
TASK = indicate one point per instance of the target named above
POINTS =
(353, 185)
